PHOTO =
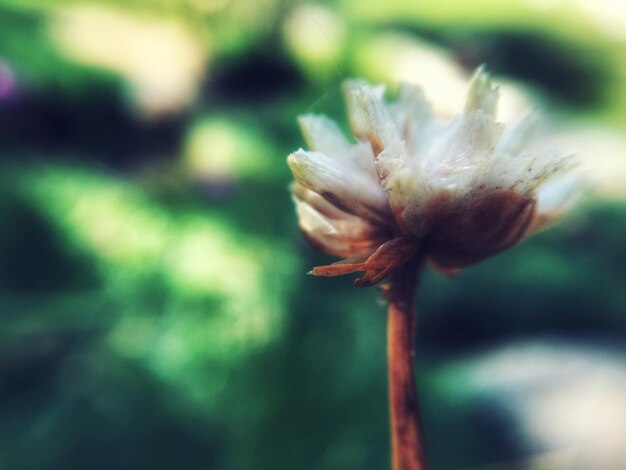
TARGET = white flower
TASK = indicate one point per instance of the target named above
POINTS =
(456, 192)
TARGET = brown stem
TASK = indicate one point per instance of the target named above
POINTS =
(406, 432)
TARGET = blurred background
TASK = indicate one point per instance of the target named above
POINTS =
(154, 307)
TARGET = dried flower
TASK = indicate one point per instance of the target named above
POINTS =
(455, 192)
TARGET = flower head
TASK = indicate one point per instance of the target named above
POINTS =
(455, 192)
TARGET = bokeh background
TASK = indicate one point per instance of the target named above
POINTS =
(154, 307)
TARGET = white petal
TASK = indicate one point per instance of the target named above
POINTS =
(482, 94)
(362, 157)
(341, 235)
(541, 169)
(370, 114)
(518, 139)
(316, 201)
(323, 135)
(413, 117)
(339, 183)
(312, 221)
(463, 153)
(354, 114)
(557, 195)
(518, 164)
(403, 180)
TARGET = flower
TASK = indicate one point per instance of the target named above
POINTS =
(453, 192)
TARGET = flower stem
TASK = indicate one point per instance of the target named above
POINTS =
(406, 431)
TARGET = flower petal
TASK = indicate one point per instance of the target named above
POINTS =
(557, 195)
(337, 182)
(321, 205)
(413, 117)
(556, 198)
(481, 94)
(333, 231)
(323, 135)
(541, 169)
(518, 165)
(457, 161)
(518, 139)
(359, 127)
(402, 180)
(375, 122)
(463, 153)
